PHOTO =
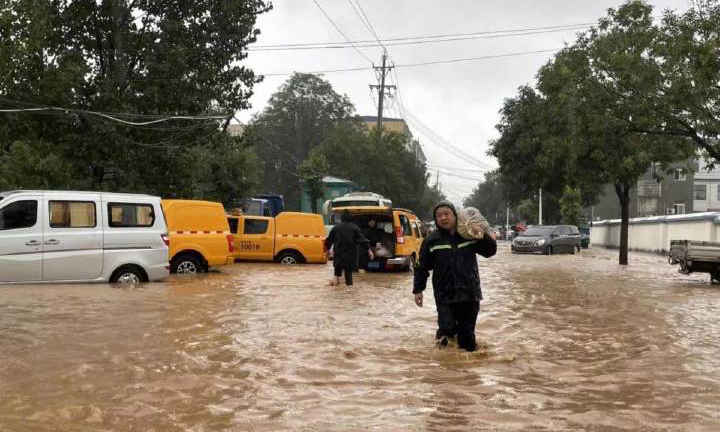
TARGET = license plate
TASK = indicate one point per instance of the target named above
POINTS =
(374, 265)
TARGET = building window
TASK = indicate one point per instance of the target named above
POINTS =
(700, 192)
(679, 208)
(679, 174)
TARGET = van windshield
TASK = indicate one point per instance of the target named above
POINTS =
(361, 203)
(538, 231)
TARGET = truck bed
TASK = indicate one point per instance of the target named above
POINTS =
(696, 251)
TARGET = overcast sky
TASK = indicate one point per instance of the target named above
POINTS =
(457, 101)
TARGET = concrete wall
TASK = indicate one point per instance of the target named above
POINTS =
(653, 234)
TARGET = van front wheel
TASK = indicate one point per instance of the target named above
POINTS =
(186, 264)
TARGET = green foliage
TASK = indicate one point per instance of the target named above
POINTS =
(147, 59)
(571, 206)
(580, 126)
(300, 116)
(311, 172)
(381, 164)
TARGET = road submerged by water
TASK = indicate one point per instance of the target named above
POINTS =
(567, 343)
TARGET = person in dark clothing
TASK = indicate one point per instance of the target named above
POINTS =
(374, 235)
(456, 280)
(345, 238)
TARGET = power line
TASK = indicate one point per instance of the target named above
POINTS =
(379, 43)
(112, 117)
(340, 31)
(434, 166)
(369, 24)
(429, 38)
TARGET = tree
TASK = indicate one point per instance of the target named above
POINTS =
(145, 59)
(298, 117)
(571, 206)
(490, 197)
(311, 172)
(381, 164)
(576, 128)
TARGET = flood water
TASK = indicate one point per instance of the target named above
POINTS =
(567, 343)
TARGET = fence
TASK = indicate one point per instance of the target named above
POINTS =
(653, 234)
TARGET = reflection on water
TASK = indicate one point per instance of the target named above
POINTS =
(567, 343)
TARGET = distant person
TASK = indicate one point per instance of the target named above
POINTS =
(456, 281)
(345, 238)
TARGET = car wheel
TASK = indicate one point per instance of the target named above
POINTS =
(128, 275)
(289, 258)
(549, 250)
(576, 249)
(186, 264)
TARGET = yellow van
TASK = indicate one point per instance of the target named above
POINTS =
(403, 234)
(199, 234)
(288, 238)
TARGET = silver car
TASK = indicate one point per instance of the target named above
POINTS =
(548, 239)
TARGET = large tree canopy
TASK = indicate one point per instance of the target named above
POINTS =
(579, 127)
(133, 62)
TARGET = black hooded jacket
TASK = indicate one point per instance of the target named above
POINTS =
(453, 261)
(344, 238)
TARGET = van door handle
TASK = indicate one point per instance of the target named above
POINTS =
(32, 243)
(52, 242)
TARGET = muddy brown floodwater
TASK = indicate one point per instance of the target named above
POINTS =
(567, 343)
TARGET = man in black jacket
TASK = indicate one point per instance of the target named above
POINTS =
(456, 282)
(345, 238)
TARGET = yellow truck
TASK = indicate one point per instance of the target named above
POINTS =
(199, 235)
(288, 238)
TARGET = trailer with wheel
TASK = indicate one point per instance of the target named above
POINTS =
(696, 257)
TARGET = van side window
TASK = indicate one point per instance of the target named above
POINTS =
(131, 215)
(417, 230)
(20, 214)
(407, 230)
(72, 214)
(233, 222)
(255, 226)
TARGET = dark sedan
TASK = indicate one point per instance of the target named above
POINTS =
(548, 239)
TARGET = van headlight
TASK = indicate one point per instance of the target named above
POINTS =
(540, 242)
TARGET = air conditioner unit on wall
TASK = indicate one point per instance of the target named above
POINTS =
(670, 211)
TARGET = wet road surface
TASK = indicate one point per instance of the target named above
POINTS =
(567, 343)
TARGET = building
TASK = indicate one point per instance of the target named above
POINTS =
(333, 187)
(657, 193)
(399, 126)
(706, 189)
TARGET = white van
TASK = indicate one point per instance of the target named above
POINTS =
(54, 236)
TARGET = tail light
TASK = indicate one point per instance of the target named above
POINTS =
(165, 239)
(230, 240)
(399, 235)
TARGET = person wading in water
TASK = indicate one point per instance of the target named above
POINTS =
(345, 238)
(456, 281)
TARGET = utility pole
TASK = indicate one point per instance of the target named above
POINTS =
(507, 223)
(384, 69)
(540, 212)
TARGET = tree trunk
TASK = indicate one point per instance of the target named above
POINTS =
(623, 192)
